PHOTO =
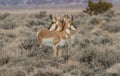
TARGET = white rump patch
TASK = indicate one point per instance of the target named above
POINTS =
(67, 31)
(73, 28)
(52, 27)
(47, 42)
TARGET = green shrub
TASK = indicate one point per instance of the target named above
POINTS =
(97, 8)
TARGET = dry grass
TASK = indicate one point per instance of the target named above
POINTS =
(95, 53)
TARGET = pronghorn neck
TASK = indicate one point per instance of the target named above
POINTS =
(59, 26)
(53, 27)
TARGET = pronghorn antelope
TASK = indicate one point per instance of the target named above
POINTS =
(56, 39)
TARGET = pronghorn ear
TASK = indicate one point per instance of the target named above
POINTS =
(50, 16)
(67, 16)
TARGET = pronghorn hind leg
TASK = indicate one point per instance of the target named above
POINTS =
(54, 50)
(60, 52)
(68, 50)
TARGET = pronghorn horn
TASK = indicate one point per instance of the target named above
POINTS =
(50, 16)
(72, 17)
(67, 16)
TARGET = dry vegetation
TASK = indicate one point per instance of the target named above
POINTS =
(95, 53)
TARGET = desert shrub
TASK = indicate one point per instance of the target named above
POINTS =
(3, 16)
(20, 73)
(37, 28)
(81, 19)
(35, 49)
(36, 23)
(28, 43)
(108, 74)
(114, 69)
(40, 51)
(97, 8)
(24, 32)
(71, 68)
(94, 20)
(7, 25)
(41, 14)
(88, 72)
(87, 55)
(112, 27)
(101, 40)
(115, 19)
(7, 36)
(109, 57)
(46, 74)
(98, 56)
(117, 15)
(1, 45)
(5, 56)
(84, 43)
(110, 14)
(12, 72)
(1, 41)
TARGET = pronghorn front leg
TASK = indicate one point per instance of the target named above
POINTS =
(55, 42)
(54, 50)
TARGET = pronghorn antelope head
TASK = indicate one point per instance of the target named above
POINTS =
(56, 24)
(69, 22)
